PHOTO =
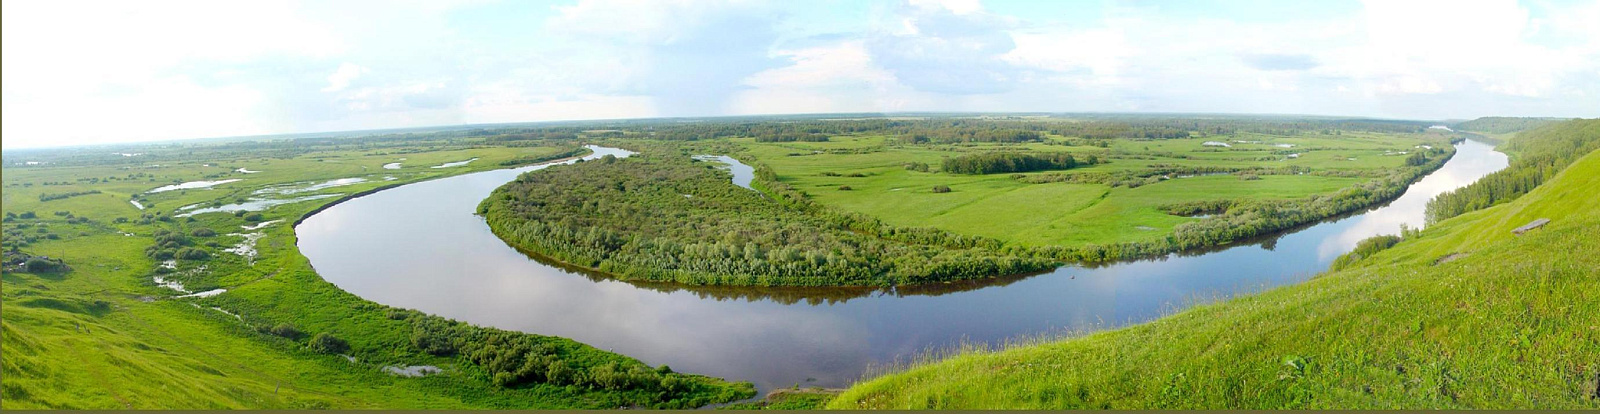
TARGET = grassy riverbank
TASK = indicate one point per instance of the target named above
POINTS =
(1462, 315)
(102, 333)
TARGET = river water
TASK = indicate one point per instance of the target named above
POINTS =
(420, 246)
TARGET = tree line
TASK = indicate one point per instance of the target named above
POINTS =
(1008, 162)
(1540, 154)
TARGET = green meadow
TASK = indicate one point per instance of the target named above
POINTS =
(106, 335)
(1461, 315)
(1010, 209)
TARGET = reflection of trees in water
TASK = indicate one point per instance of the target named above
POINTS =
(787, 295)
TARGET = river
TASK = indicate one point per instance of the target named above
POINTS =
(420, 246)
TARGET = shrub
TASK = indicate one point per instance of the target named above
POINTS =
(285, 330)
(1249, 177)
(397, 314)
(328, 344)
(433, 336)
(844, 188)
(190, 253)
(252, 217)
(1366, 248)
(203, 232)
(941, 189)
(38, 264)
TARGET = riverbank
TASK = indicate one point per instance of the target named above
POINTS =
(456, 267)
(1402, 329)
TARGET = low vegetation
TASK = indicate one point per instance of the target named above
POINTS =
(98, 314)
(664, 217)
(1398, 327)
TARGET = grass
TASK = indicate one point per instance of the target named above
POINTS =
(105, 336)
(1513, 323)
(1001, 207)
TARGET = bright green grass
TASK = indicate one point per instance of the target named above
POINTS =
(104, 336)
(1515, 323)
(1000, 207)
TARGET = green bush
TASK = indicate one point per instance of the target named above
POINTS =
(326, 343)
(285, 330)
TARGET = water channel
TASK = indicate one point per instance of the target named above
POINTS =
(420, 246)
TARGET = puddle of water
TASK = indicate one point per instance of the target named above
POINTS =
(742, 174)
(205, 294)
(255, 204)
(192, 185)
(170, 284)
(412, 370)
(454, 164)
(245, 248)
(246, 170)
(258, 226)
(136, 204)
(286, 190)
(225, 312)
(392, 166)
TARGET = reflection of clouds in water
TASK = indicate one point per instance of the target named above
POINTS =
(1472, 161)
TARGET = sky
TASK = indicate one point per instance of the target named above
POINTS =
(80, 72)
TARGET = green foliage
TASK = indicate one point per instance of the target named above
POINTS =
(434, 336)
(1540, 154)
(941, 189)
(1504, 125)
(1365, 248)
(58, 196)
(610, 217)
(993, 163)
(1394, 331)
(203, 232)
(326, 343)
(190, 253)
(573, 151)
(285, 330)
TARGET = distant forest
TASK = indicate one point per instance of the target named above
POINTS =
(1538, 154)
(1504, 125)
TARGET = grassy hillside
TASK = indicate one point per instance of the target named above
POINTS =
(1507, 322)
(112, 330)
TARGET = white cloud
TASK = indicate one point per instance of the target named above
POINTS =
(186, 69)
(342, 77)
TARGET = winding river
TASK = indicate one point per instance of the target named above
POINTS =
(420, 246)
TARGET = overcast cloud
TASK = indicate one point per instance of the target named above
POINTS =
(88, 72)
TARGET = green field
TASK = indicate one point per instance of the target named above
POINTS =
(1002, 207)
(1464, 315)
(105, 335)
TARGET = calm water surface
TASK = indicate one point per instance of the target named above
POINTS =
(420, 246)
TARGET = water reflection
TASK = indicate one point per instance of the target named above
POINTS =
(419, 246)
(742, 174)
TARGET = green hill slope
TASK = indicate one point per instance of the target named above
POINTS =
(1507, 322)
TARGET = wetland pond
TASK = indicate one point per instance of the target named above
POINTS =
(420, 246)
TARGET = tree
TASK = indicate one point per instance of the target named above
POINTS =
(326, 343)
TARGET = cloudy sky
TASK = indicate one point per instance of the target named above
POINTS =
(88, 72)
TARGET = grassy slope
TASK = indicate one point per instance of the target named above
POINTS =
(144, 349)
(1515, 323)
